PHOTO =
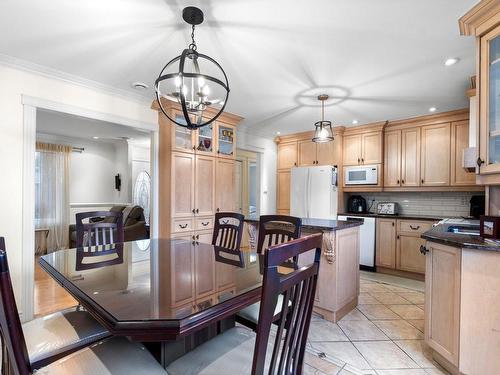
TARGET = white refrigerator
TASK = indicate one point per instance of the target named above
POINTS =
(314, 193)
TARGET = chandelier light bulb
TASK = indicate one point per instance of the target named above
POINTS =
(178, 81)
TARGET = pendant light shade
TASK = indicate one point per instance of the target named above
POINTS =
(323, 131)
(194, 80)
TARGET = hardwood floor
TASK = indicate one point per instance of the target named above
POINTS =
(49, 295)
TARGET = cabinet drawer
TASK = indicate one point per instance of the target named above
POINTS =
(202, 223)
(182, 225)
(411, 226)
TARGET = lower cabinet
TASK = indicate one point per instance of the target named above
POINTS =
(386, 243)
(442, 300)
(398, 244)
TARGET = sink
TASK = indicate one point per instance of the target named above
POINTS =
(459, 229)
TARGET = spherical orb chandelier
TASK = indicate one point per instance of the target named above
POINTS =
(323, 131)
(194, 80)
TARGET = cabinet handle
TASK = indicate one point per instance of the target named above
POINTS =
(197, 211)
(397, 182)
(392, 223)
(402, 181)
(423, 249)
(205, 223)
(194, 147)
(193, 210)
(197, 236)
(479, 161)
(415, 228)
(183, 226)
(218, 210)
(358, 160)
(218, 151)
(362, 160)
(193, 237)
(397, 237)
(422, 180)
(294, 164)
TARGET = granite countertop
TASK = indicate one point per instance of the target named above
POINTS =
(440, 234)
(324, 224)
(397, 216)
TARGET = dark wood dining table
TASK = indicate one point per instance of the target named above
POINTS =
(172, 292)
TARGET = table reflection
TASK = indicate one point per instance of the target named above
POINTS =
(156, 279)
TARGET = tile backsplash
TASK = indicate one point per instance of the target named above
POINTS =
(439, 204)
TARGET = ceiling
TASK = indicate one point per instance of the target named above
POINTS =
(66, 125)
(378, 60)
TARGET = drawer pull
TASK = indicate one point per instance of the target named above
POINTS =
(423, 249)
(205, 224)
(415, 228)
(183, 226)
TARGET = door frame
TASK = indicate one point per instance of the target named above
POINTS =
(30, 106)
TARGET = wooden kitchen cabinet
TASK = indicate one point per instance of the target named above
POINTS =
(352, 149)
(386, 243)
(287, 155)
(194, 180)
(460, 141)
(183, 168)
(283, 189)
(326, 152)
(435, 155)
(224, 185)
(392, 158)
(307, 153)
(442, 300)
(410, 157)
(363, 148)
(408, 256)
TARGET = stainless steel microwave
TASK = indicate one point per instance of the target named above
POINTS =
(361, 175)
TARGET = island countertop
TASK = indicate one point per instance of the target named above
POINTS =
(440, 234)
(319, 224)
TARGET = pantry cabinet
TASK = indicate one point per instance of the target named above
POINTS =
(196, 173)
(287, 155)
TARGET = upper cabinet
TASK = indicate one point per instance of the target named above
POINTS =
(287, 155)
(435, 155)
(307, 153)
(364, 146)
(483, 22)
(460, 141)
(226, 140)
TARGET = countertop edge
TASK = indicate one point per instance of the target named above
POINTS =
(457, 243)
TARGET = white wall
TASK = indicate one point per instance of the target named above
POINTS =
(92, 172)
(15, 83)
(267, 150)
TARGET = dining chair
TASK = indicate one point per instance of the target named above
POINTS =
(88, 258)
(23, 344)
(57, 334)
(102, 232)
(273, 230)
(228, 230)
(274, 352)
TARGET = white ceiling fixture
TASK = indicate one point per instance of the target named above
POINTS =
(432, 109)
(94, 137)
(451, 61)
(270, 61)
(355, 122)
(139, 86)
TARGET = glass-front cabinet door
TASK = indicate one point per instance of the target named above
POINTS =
(489, 106)
(204, 139)
(183, 139)
(226, 140)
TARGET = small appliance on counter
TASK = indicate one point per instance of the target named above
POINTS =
(387, 208)
(476, 206)
(356, 204)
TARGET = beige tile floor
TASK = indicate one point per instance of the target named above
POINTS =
(382, 336)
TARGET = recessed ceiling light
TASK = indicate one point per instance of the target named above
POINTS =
(278, 133)
(139, 85)
(451, 61)
(95, 137)
(354, 122)
(432, 109)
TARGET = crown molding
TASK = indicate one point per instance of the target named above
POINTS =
(45, 71)
(480, 19)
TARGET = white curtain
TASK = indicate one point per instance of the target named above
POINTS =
(52, 193)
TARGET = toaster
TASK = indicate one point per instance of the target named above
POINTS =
(387, 208)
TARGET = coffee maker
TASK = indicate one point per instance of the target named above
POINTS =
(356, 204)
(476, 206)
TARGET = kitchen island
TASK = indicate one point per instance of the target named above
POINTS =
(462, 290)
(338, 282)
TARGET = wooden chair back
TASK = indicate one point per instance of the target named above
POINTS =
(278, 229)
(228, 230)
(101, 232)
(15, 358)
(298, 288)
